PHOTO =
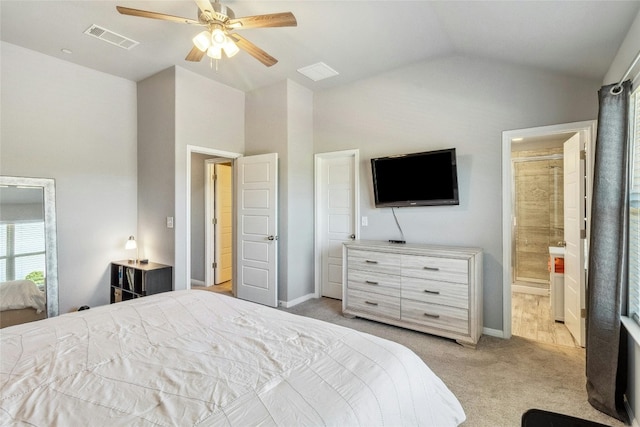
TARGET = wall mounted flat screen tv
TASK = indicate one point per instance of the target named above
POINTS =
(418, 179)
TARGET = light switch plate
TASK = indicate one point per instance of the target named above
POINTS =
(169, 222)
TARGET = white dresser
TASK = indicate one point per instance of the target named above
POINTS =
(432, 289)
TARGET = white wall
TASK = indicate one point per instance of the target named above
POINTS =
(456, 102)
(625, 56)
(300, 217)
(209, 115)
(279, 119)
(78, 126)
(177, 109)
(156, 173)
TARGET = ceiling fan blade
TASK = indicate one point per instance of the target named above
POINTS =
(283, 19)
(253, 50)
(195, 55)
(205, 6)
(155, 15)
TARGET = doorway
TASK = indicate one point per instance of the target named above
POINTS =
(255, 234)
(538, 225)
(218, 183)
(532, 228)
(202, 235)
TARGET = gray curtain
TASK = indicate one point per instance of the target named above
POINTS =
(607, 272)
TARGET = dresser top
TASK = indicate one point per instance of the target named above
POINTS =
(413, 248)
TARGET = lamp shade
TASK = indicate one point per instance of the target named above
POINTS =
(230, 48)
(214, 52)
(202, 41)
(218, 37)
(131, 243)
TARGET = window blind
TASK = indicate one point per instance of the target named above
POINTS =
(634, 211)
(22, 250)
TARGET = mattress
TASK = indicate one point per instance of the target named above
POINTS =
(190, 358)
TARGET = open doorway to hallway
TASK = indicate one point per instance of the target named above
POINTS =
(211, 223)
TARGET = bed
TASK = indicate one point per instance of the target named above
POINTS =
(21, 301)
(195, 357)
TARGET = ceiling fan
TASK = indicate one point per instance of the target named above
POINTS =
(219, 36)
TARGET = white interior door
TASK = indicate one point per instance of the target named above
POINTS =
(336, 215)
(257, 233)
(574, 230)
(223, 223)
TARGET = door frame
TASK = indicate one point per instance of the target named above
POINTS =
(229, 156)
(318, 159)
(588, 128)
(210, 244)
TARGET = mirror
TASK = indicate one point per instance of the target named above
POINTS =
(28, 250)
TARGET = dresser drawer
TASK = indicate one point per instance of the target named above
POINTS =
(377, 304)
(378, 262)
(443, 293)
(435, 268)
(437, 316)
(379, 283)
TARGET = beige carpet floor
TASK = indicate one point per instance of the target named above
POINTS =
(497, 382)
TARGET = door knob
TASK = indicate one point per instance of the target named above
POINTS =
(272, 238)
(352, 237)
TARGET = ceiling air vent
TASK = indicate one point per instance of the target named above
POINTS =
(318, 71)
(110, 37)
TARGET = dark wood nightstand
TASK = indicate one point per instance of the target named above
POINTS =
(134, 280)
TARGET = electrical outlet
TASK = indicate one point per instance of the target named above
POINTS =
(169, 222)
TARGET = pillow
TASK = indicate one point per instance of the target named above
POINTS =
(17, 294)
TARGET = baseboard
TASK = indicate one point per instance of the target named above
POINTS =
(530, 290)
(195, 282)
(289, 304)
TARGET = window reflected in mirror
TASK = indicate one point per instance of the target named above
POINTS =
(28, 259)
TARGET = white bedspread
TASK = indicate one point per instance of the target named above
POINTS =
(18, 294)
(191, 358)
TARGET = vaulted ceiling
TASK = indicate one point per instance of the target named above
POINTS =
(358, 39)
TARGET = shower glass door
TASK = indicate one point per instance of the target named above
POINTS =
(538, 213)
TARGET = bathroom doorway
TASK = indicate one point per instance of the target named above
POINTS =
(538, 212)
(538, 225)
(533, 227)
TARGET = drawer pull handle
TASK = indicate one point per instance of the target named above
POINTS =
(368, 261)
(370, 282)
(432, 292)
(431, 268)
(371, 303)
(433, 316)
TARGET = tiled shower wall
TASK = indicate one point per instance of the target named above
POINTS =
(539, 211)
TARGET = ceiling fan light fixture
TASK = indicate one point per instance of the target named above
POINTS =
(218, 37)
(215, 52)
(230, 48)
(219, 22)
(202, 41)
